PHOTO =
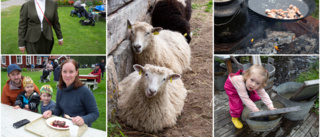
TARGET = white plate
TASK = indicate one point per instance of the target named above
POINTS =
(50, 120)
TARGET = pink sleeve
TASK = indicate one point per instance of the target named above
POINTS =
(237, 82)
(265, 98)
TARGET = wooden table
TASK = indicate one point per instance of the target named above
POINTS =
(10, 116)
(85, 79)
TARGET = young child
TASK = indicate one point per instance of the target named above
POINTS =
(28, 99)
(246, 87)
(46, 103)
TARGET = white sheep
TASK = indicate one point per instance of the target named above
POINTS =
(165, 48)
(151, 100)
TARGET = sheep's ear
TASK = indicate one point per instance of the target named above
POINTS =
(129, 24)
(156, 30)
(138, 68)
(174, 77)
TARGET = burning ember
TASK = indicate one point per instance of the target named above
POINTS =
(281, 42)
(275, 37)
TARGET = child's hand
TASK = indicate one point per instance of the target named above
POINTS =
(47, 114)
(272, 108)
(16, 107)
(78, 120)
(256, 110)
(27, 109)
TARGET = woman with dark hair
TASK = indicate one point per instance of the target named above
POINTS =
(73, 98)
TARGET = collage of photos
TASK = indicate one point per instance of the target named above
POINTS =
(266, 68)
(159, 68)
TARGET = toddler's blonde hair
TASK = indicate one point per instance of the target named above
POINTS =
(27, 80)
(257, 69)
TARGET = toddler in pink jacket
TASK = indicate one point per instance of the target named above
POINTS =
(246, 87)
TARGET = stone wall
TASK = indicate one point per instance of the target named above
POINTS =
(120, 54)
(288, 68)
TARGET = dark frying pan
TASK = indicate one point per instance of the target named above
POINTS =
(306, 7)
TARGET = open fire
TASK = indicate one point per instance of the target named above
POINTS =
(270, 36)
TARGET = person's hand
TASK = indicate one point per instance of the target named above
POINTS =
(256, 110)
(16, 107)
(27, 109)
(60, 42)
(78, 120)
(47, 114)
(26, 106)
(22, 49)
(272, 108)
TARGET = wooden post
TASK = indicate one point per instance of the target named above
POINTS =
(229, 66)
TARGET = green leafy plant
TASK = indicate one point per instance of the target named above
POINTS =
(99, 3)
(196, 6)
(209, 6)
(89, 3)
(114, 130)
(311, 74)
(96, 2)
(60, 2)
(316, 106)
(315, 14)
(219, 60)
(65, 2)
(24, 69)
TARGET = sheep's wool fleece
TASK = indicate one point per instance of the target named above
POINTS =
(150, 114)
(167, 49)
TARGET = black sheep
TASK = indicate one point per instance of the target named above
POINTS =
(173, 15)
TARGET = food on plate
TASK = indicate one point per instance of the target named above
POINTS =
(291, 13)
(59, 124)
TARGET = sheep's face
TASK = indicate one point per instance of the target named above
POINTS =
(141, 35)
(155, 78)
(153, 82)
(140, 38)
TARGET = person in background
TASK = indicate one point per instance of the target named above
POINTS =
(55, 65)
(73, 97)
(32, 67)
(13, 86)
(97, 71)
(102, 67)
(50, 68)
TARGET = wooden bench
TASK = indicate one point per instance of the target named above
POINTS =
(89, 83)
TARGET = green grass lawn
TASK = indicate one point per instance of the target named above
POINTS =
(77, 39)
(100, 93)
(3, 0)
